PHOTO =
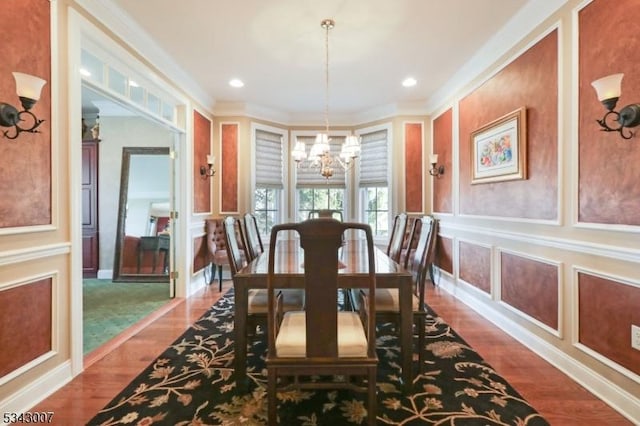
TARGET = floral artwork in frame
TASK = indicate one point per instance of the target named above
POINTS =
(499, 149)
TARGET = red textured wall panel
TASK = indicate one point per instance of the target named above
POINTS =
(229, 168)
(413, 167)
(606, 311)
(475, 265)
(531, 287)
(25, 163)
(201, 147)
(531, 80)
(443, 146)
(444, 254)
(25, 324)
(608, 174)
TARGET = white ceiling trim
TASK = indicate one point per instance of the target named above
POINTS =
(110, 14)
(517, 28)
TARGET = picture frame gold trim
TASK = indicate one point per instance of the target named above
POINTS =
(499, 149)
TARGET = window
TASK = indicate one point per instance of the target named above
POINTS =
(267, 205)
(376, 209)
(319, 198)
(373, 181)
(314, 192)
(266, 208)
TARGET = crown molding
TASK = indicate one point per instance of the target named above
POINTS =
(235, 109)
(111, 16)
(532, 14)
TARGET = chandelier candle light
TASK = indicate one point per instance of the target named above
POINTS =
(320, 154)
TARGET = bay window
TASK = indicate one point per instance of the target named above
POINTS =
(269, 177)
(314, 192)
(373, 181)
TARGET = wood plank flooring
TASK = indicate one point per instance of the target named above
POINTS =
(559, 399)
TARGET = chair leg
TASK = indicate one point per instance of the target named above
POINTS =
(213, 273)
(372, 400)
(219, 277)
(421, 339)
(272, 400)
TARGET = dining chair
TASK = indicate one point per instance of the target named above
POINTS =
(387, 300)
(323, 341)
(253, 241)
(410, 239)
(398, 231)
(293, 299)
(324, 213)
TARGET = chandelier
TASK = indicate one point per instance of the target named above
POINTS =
(320, 153)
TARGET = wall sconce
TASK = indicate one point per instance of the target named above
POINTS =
(208, 170)
(608, 90)
(435, 170)
(28, 88)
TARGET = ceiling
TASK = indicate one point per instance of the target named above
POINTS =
(277, 48)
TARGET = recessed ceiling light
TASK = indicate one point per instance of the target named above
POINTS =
(133, 83)
(236, 82)
(409, 82)
(85, 72)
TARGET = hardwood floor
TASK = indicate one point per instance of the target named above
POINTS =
(559, 399)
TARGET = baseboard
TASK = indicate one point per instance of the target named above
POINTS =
(105, 274)
(37, 391)
(620, 400)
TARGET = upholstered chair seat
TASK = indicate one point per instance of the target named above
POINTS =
(292, 337)
(292, 300)
(388, 300)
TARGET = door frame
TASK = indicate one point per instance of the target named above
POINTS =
(81, 29)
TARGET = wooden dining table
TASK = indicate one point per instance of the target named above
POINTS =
(289, 261)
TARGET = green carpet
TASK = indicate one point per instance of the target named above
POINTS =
(109, 308)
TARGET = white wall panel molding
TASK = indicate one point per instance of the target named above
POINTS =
(37, 391)
(567, 244)
(576, 269)
(622, 401)
(560, 288)
(33, 253)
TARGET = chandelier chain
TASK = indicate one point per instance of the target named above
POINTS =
(327, 24)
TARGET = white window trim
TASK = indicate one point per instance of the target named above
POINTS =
(391, 181)
(283, 202)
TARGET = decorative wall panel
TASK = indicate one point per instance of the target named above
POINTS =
(531, 80)
(606, 310)
(444, 254)
(608, 176)
(229, 168)
(25, 324)
(475, 265)
(25, 163)
(531, 287)
(200, 253)
(413, 169)
(201, 148)
(443, 146)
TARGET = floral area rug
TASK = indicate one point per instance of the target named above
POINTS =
(193, 383)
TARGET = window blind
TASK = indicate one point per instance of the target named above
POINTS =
(374, 159)
(269, 164)
(310, 177)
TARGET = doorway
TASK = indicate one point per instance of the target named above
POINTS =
(112, 131)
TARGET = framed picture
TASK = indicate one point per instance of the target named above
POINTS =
(499, 149)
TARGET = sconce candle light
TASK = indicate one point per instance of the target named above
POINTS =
(435, 170)
(608, 90)
(28, 88)
(208, 170)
